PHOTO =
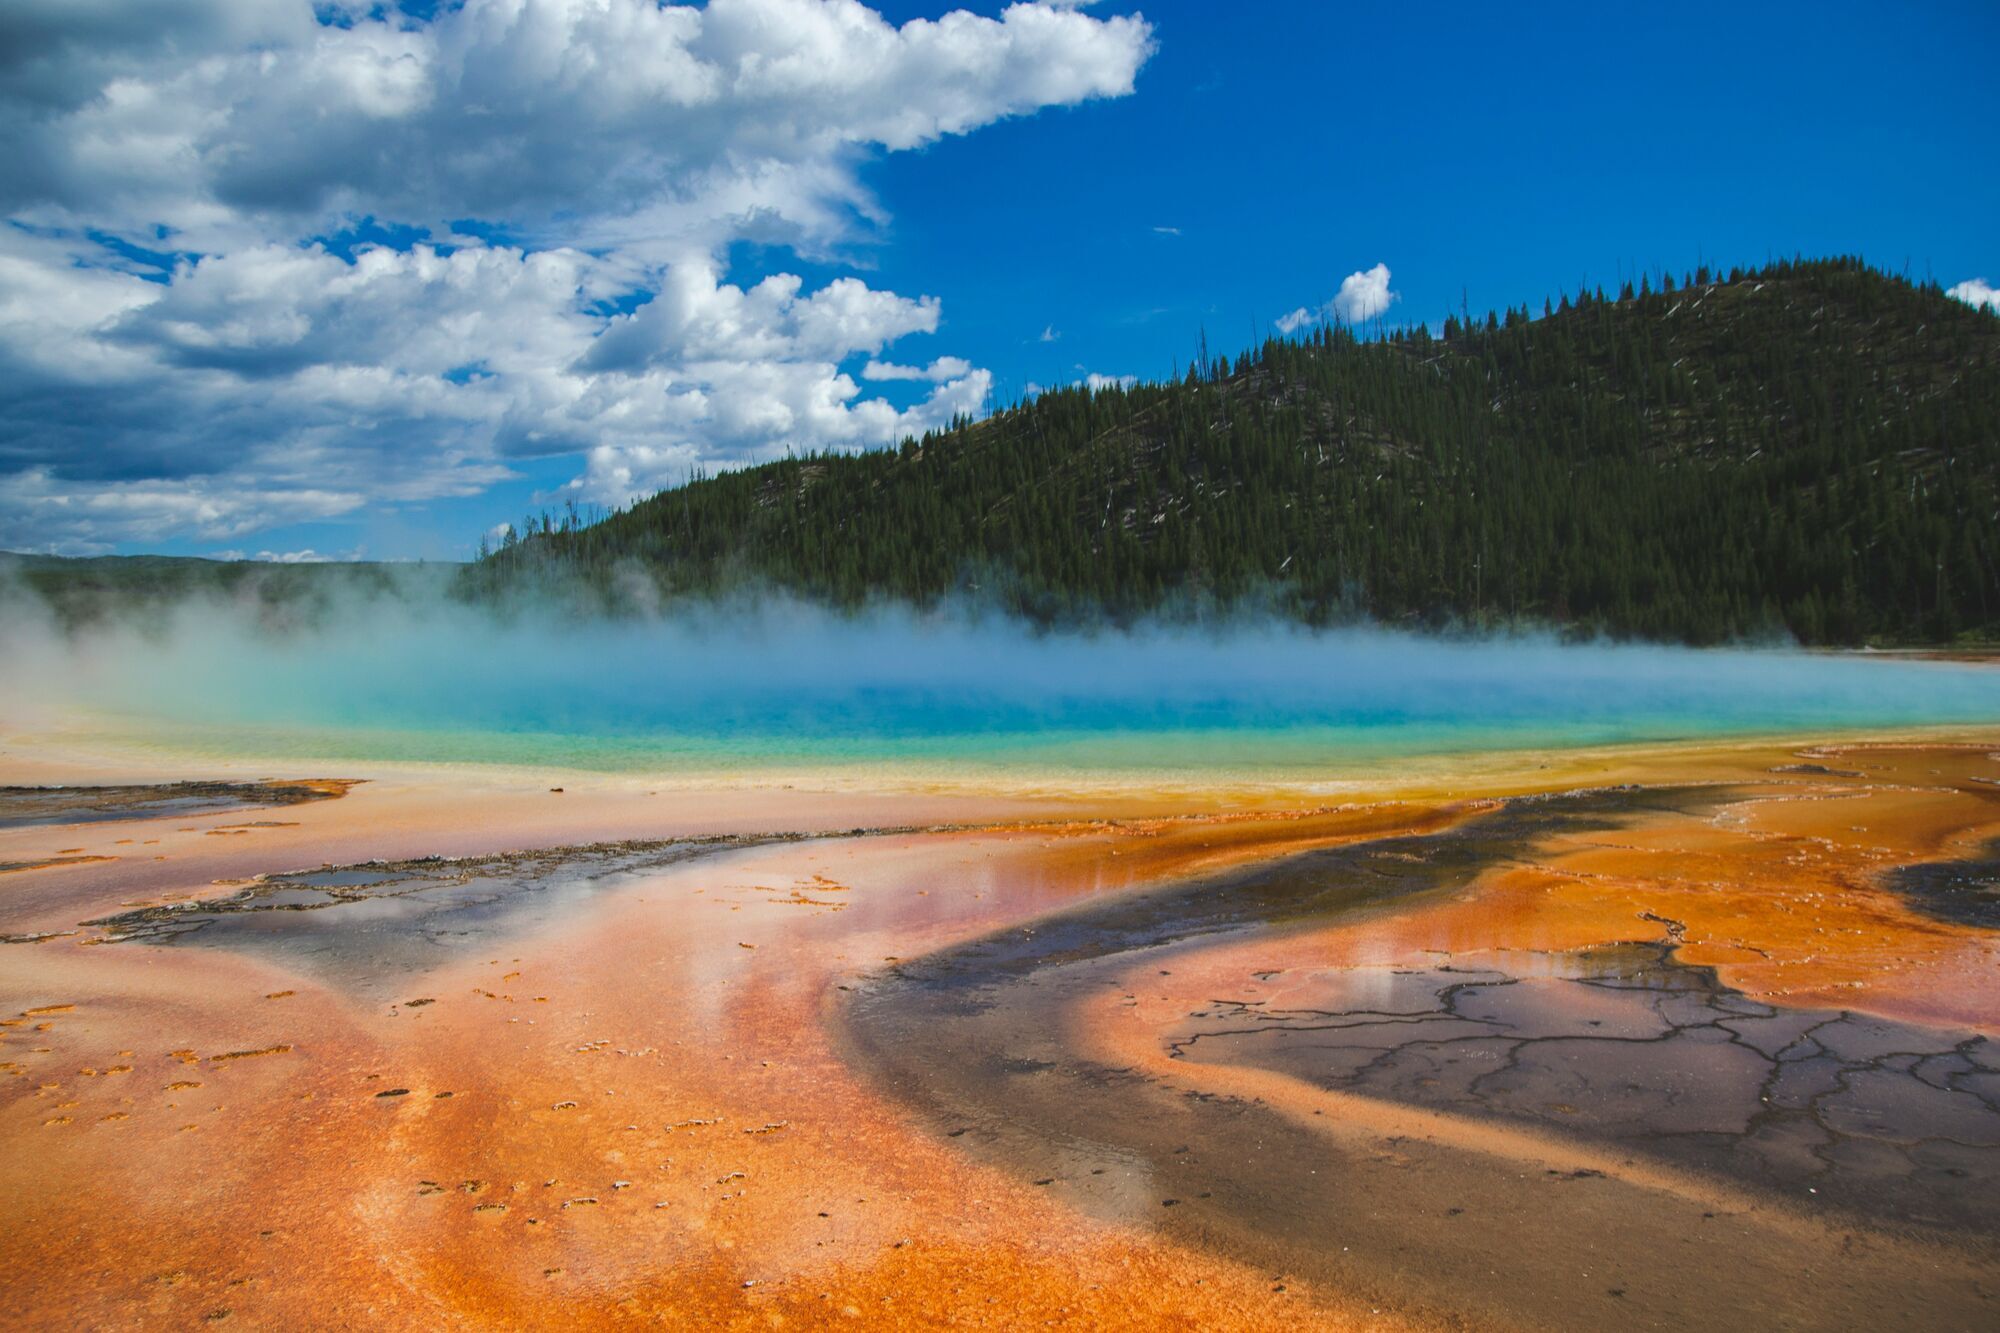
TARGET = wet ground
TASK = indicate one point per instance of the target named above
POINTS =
(1620, 1045)
(1964, 890)
(1703, 1050)
(371, 929)
(22, 807)
(1604, 1132)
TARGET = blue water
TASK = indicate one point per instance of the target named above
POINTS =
(788, 686)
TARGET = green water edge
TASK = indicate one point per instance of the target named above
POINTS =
(1306, 754)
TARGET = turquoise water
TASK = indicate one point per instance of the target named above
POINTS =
(795, 688)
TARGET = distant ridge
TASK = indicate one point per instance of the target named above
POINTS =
(85, 590)
(1811, 448)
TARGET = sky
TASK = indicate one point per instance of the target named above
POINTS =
(283, 279)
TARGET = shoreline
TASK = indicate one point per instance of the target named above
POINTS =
(67, 756)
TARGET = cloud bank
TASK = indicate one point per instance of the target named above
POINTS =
(270, 260)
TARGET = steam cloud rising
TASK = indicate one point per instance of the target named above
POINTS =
(421, 676)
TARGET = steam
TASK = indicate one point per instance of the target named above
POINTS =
(420, 675)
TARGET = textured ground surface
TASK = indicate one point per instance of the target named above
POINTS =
(1664, 1039)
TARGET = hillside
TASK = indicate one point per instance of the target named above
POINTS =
(1813, 448)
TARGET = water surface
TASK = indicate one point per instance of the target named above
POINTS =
(781, 687)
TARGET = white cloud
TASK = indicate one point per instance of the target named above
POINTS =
(1363, 295)
(1298, 319)
(1975, 292)
(771, 408)
(560, 116)
(497, 357)
(618, 145)
(1050, 334)
(67, 516)
(940, 370)
(1168, 231)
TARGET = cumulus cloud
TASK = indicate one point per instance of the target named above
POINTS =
(1295, 321)
(266, 260)
(557, 115)
(1975, 292)
(940, 370)
(1363, 295)
(781, 407)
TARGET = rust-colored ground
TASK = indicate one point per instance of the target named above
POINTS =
(644, 1109)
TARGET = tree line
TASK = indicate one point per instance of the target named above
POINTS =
(1808, 448)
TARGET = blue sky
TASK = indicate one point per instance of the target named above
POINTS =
(1211, 169)
(1488, 153)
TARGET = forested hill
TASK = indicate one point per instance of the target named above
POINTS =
(1813, 447)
